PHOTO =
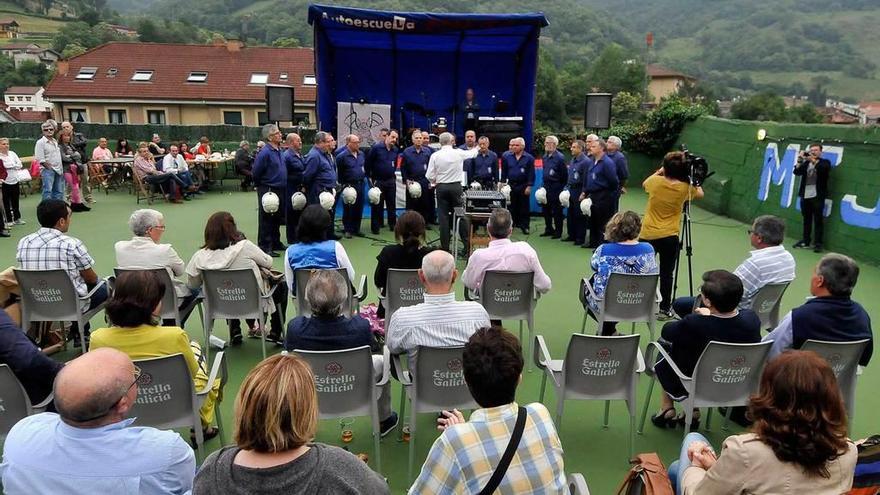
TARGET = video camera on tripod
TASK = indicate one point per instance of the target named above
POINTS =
(697, 167)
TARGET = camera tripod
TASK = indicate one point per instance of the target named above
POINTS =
(685, 242)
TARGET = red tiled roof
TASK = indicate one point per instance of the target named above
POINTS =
(8, 20)
(229, 72)
(660, 71)
(18, 46)
(22, 90)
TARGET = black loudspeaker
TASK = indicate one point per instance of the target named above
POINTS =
(279, 103)
(597, 111)
(500, 132)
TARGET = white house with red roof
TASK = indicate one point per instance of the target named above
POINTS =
(26, 99)
(154, 83)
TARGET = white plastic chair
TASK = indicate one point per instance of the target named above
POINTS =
(595, 368)
(170, 301)
(49, 295)
(16, 404)
(631, 301)
(167, 397)
(843, 357)
(360, 392)
(766, 303)
(302, 275)
(428, 395)
(577, 485)
(233, 295)
(726, 375)
(511, 296)
(403, 288)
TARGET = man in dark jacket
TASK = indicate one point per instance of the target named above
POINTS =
(34, 370)
(814, 171)
(244, 165)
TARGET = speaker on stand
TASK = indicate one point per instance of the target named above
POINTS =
(279, 103)
(597, 111)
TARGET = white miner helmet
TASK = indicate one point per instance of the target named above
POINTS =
(270, 202)
(298, 200)
(505, 190)
(415, 190)
(349, 195)
(327, 199)
(374, 195)
(476, 186)
(586, 205)
(541, 196)
(565, 198)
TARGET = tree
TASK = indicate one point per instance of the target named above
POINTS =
(90, 17)
(805, 113)
(73, 50)
(148, 32)
(549, 104)
(762, 106)
(616, 69)
(286, 43)
(625, 107)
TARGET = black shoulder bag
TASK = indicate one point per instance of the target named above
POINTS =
(504, 463)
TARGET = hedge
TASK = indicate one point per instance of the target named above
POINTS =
(143, 132)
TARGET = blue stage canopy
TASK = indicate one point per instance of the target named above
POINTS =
(423, 60)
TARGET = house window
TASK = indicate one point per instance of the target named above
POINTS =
(20, 98)
(259, 78)
(197, 77)
(27, 98)
(310, 80)
(232, 118)
(116, 117)
(77, 115)
(156, 117)
(87, 73)
(262, 118)
(142, 75)
(283, 76)
(300, 118)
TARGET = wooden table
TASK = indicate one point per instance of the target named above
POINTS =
(116, 178)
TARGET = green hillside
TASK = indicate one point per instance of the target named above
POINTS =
(33, 27)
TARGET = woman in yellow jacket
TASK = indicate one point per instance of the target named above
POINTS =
(133, 312)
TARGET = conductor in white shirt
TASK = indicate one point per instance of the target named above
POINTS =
(446, 174)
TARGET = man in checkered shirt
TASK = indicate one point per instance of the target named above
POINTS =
(49, 248)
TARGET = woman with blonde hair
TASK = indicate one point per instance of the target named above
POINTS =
(276, 416)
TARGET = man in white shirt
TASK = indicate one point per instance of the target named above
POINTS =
(446, 174)
(440, 321)
(174, 163)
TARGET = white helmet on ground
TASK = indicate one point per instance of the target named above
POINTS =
(374, 195)
(415, 190)
(476, 186)
(541, 196)
(349, 195)
(327, 199)
(298, 201)
(270, 202)
(565, 198)
(505, 190)
(586, 205)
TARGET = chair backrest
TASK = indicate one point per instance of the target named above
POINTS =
(233, 294)
(170, 302)
(344, 381)
(14, 399)
(727, 374)
(630, 297)
(402, 289)
(508, 295)
(598, 367)
(438, 380)
(47, 295)
(843, 357)
(166, 395)
(301, 277)
(766, 302)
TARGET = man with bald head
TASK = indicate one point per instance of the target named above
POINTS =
(89, 446)
(350, 167)
(518, 171)
(413, 169)
(440, 321)
(295, 163)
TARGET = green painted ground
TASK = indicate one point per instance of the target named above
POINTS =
(598, 453)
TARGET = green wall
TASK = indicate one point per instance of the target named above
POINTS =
(737, 158)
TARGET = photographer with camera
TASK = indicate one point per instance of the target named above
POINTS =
(814, 171)
(668, 189)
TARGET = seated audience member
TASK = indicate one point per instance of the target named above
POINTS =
(90, 446)
(798, 443)
(276, 419)
(720, 320)
(440, 321)
(31, 366)
(184, 150)
(830, 314)
(464, 457)
(260, 145)
(145, 251)
(328, 329)
(101, 152)
(49, 249)
(226, 248)
(621, 253)
(503, 254)
(133, 312)
(123, 148)
(407, 254)
(157, 147)
(175, 163)
(313, 249)
(144, 168)
(769, 263)
(244, 164)
(204, 147)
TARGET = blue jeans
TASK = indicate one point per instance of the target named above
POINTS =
(53, 184)
(683, 306)
(676, 469)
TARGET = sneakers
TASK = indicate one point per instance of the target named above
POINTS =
(665, 315)
(388, 424)
(817, 248)
(801, 244)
